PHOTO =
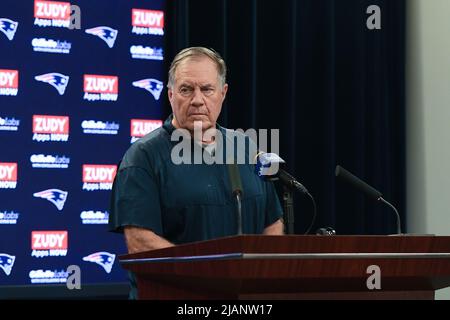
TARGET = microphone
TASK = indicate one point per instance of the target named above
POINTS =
(367, 189)
(268, 168)
(236, 188)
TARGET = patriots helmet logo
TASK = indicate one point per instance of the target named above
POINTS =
(107, 34)
(105, 259)
(153, 86)
(8, 27)
(56, 80)
(7, 262)
(55, 196)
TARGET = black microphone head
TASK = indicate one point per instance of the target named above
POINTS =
(358, 183)
(235, 178)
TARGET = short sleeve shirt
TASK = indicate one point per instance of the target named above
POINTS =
(186, 202)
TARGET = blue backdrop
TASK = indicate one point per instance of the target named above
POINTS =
(71, 103)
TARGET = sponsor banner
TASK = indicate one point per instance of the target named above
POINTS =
(49, 161)
(9, 124)
(100, 87)
(51, 46)
(94, 217)
(50, 128)
(49, 243)
(8, 175)
(48, 276)
(52, 14)
(141, 127)
(147, 22)
(147, 53)
(100, 127)
(98, 177)
(9, 82)
(9, 217)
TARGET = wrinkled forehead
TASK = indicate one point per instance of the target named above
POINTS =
(197, 70)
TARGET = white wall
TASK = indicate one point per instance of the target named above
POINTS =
(428, 118)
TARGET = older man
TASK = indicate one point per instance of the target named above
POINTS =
(158, 203)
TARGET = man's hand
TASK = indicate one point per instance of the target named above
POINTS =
(140, 239)
(275, 229)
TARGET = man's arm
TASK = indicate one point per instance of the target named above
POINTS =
(275, 229)
(140, 239)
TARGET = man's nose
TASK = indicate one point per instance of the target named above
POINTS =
(197, 98)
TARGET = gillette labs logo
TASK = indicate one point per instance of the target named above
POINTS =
(98, 177)
(50, 128)
(141, 127)
(9, 124)
(52, 14)
(94, 217)
(51, 46)
(48, 276)
(49, 161)
(8, 175)
(100, 127)
(147, 22)
(100, 87)
(8, 27)
(49, 243)
(9, 82)
(147, 53)
(9, 217)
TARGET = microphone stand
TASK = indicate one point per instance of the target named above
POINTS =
(288, 202)
(237, 196)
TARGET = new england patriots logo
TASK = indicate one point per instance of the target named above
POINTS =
(8, 27)
(105, 259)
(153, 86)
(107, 34)
(6, 262)
(56, 80)
(55, 196)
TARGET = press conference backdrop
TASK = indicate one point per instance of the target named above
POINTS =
(71, 103)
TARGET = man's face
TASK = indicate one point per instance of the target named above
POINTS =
(197, 94)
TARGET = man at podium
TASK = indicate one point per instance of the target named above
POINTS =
(158, 202)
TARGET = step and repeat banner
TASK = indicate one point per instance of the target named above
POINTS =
(80, 81)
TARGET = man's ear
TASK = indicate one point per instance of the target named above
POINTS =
(224, 91)
(169, 94)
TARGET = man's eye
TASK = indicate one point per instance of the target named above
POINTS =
(208, 91)
(185, 90)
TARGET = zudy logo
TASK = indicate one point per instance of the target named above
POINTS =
(50, 128)
(101, 87)
(9, 82)
(8, 175)
(147, 22)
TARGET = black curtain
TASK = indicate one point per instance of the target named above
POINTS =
(334, 88)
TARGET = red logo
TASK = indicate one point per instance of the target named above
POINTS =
(147, 18)
(9, 78)
(49, 240)
(50, 124)
(101, 84)
(94, 173)
(140, 127)
(8, 171)
(52, 10)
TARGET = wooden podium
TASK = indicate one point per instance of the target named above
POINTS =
(294, 267)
